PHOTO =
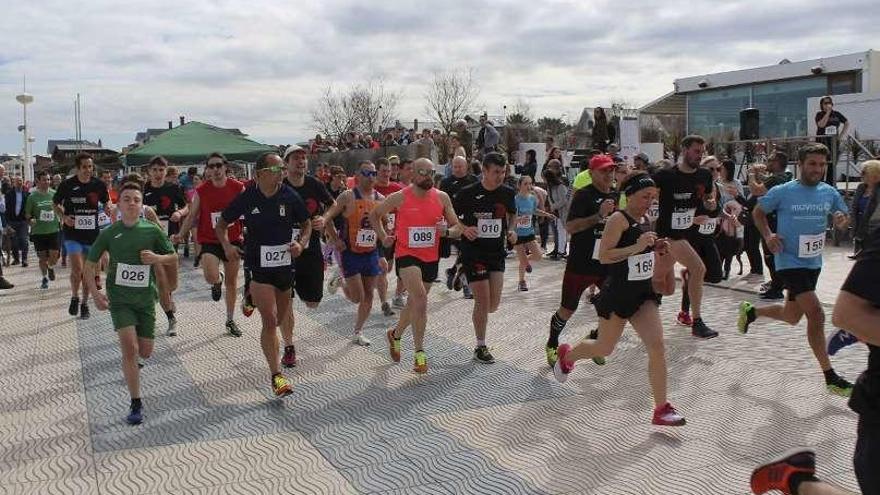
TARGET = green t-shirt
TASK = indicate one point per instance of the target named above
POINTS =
(39, 206)
(583, 179)
(136, 282)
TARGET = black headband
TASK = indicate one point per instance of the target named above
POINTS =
(637, 184)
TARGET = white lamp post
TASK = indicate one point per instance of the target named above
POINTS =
(25, 99)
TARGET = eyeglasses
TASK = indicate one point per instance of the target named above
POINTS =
(274, 169)
(425, 172)
(369, 173)
(214, 165)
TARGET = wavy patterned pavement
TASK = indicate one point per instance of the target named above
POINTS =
(358, 423)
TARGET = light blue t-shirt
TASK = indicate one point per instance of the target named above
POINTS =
(525, 211)
(802, 217)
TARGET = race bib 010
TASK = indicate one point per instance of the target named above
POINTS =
(137, 276)
(489, 228)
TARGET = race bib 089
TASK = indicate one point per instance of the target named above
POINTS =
(422, 237)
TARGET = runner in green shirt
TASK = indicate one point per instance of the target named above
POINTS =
(39, 210)
(135, 246)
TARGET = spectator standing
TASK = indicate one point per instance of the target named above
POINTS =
(831, 127)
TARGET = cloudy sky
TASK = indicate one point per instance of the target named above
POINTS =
(260, 65)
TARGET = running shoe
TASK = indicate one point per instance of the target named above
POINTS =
(839, 386)
(217, 289)
(776, 474)
(746, 317)
(684, 319)
(702, 331)
(141, 362)
(772, 295)
(44, 284)
(839, 340)
(172, 327)
(552, 355)
(594, 335)
(562, 367)
(232, 328)
(84, 311)
(482, 355)
(386, 309)
(5, 284)
(764, 287)
(528, 268)
(74, 306)
(458, 282)
(51, 273)
(450, 278)
(135, 416)
(399, 301)
(196, 260)
(247, 305)
(393, 346)
(281, 386)
(360, 340)
(523, 287)
(289, 358)
(24, 263)
(334, 282)
(420, 362)
(666, 415)
(466, 292)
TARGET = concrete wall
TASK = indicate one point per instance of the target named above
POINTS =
(871, 75)
(861, 109)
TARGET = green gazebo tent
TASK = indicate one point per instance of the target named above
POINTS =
(192, 142)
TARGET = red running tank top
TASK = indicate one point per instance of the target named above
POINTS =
(416, 226)
(212, 201)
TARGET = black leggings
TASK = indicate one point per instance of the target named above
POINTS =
(752, 240)
(728, 247)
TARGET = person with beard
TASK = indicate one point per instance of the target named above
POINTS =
(684, 189)
(459, 179)
(802, 209)
(168, 201)
(387, 187)
(421, 210)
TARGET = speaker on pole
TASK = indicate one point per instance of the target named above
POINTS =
(748, 123)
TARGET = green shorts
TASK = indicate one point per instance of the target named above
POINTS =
(141, 317)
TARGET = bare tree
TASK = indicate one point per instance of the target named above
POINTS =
(334, 115)
(375, 106)
(450, 96)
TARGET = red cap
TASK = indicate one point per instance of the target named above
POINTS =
(601, 162)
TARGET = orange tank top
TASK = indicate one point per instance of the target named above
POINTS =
(359, 236)
(416, 226)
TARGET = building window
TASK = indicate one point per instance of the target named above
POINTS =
(783, 105)
(715, 112)
(843, 84)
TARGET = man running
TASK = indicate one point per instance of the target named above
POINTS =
(136, 246)
(357, 242)
(168, 201)
(802, 208)
(208, 203)
(40, 213)
(683, 189)
(590, 208)
(77, 203)
(460, 178)
(276, 219)
(417, 230)
(488, 211)
(386, 188)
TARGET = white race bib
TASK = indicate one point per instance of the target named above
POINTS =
(641, 266)
(708, 228)
(596, 249)
(682, 220)
(810, 246)
(524, 222)
(422, 237)
(215, 217)
(653, 212)
(84, 222)
(831, 130)
(740, 232)
(163, 224)
(294, 235)
(274, 256)
(366, 238)
(47, 215)
(132, 275)
(392, 219)
(104, 219)
(489, 228)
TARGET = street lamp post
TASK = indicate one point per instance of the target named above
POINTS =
(25, 99)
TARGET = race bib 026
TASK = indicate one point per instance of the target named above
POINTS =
(137, 276)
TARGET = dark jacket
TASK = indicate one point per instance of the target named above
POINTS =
(11, 206)
(858, 220)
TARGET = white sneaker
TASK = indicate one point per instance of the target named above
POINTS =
(360, 340)
(399, 302)
(334, 282)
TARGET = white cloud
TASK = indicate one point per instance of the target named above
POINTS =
(259, 65)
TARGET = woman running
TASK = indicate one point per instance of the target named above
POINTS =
(526, 247)
(628, 295)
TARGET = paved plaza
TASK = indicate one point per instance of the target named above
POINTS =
(357, 423)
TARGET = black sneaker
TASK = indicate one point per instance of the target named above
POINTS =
(232, 328)
(5, 284)
(24, 263)
(196, 260)
(51, 273)
(84, 311)
(772, 295)
(700, 330)
(450, 278)
(482, 355)
(839, 386)
(74, 306)
(217, 289)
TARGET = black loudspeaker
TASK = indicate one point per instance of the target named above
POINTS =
(748, 123)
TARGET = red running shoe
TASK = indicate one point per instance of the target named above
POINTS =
(666, 415)
(775, 474)
(289, 359)
(684, 319)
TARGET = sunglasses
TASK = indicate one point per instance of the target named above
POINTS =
(425, 172)
(214, 165)
(274, 169)
(369, 173)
